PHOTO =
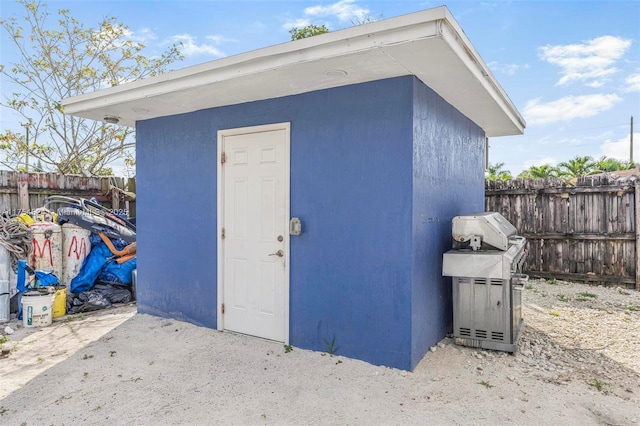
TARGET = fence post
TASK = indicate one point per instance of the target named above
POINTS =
(637, 217)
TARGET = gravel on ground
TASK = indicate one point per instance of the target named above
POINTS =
(578, 363)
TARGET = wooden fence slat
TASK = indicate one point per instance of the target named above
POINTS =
(588, 231)
(23, 195)
(21, 192)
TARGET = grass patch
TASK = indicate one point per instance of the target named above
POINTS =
(586, 294)
(76, 317)
(553, 281)
(598, 384)
(563, 297)
(554, 313)
(87, 356)
(485, 384)
(3, 339)
(633, 308)
(288, 348)
(331, 346)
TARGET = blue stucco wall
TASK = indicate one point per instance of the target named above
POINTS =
(351, 184)
(377, 172)
(448, 180)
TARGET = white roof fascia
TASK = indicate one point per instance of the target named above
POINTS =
(453, 34)
(434, 24)
(358, 38)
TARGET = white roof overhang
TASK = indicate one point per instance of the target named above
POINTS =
(428, 44)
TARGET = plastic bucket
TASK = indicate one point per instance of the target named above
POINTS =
(37, 309)
(60, 302)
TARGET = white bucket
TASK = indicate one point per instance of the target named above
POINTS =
(75, 248)
(37, 309)
(46, 253)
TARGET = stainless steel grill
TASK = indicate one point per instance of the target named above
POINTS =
(486, 269)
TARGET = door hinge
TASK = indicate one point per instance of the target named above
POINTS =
(223, 158)
(222, 235)
(223, 309)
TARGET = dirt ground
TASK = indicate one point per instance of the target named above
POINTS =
(578, 363)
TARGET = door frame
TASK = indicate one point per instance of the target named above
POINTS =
(221, 135)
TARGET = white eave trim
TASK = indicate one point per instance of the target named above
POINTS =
(432, 23)
(459, 43)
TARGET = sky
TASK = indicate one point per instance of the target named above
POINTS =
(572, 68)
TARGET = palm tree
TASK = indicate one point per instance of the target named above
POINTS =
(540, 172)
(579, 166)
(495, 172)
(605, 164)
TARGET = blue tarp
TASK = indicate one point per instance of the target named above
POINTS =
(43, 278)
(98, 266)
(117, 273)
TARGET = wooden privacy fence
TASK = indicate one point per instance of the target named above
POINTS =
(585, 231)
(23, 192)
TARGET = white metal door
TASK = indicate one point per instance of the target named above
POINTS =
(253, 222)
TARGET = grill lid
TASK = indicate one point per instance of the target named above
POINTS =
(488, 228)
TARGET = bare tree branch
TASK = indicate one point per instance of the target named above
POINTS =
(60, 58)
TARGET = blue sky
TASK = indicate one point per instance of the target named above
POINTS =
(572, 68)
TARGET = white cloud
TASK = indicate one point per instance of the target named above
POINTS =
(541, 162)
(590, 61)
(619, 149)
(508, 69)
(296, 23)
(190, 47)
(570, 141)
(633, 83)
(344, 10)
(595, 84)
(568, 108)
(218, 39)
(144, 36)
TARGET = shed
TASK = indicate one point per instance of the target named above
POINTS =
(304, 192)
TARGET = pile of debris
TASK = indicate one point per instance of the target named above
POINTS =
(73, 255)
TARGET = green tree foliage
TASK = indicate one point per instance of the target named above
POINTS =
(308, 31)
(576, 167)
(605, 164)
(496, 172)
(57, 58)
(540, 172)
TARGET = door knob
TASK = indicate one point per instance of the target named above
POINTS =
(279, 253)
